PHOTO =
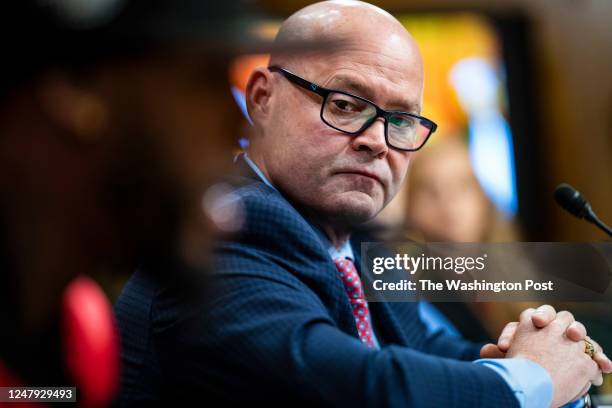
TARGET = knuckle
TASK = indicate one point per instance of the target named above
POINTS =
(578, 328)
(510, 327)
(558, 324)
(526, 313)
(564, 314)
(546, 308)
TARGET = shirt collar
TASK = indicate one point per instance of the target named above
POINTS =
(345, 251)
(257, 171)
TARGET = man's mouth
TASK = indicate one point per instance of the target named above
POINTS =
(363, 173)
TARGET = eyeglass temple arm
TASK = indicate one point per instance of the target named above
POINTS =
(299, 81)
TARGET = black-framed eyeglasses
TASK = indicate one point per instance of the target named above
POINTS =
(352, 114)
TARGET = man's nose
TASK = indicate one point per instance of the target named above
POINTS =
(372, 139)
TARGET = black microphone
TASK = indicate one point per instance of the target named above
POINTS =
(573, 202)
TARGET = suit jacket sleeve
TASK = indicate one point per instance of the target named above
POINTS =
(267, 334)
(442, 344)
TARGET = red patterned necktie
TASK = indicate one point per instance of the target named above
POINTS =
(361, 312)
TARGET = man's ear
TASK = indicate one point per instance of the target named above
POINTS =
(257, 94)
(79, 112)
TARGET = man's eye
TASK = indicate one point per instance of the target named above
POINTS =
(345, 105)
(399, 121)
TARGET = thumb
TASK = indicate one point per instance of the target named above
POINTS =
(491, 351)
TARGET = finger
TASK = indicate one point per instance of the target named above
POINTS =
(576, 331)
(505, 338)
(543, 316)
(596, 375)
(600, 357)
(526, 315)
(562, 321)
(598, 380)
(603, 362)
(595, 343)
(593, 372)
(491, 351)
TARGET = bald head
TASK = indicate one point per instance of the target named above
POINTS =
(348, 22)
(342, 178)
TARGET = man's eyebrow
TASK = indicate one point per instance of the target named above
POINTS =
(349, 84)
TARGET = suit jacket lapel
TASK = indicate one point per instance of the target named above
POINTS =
(389, 328)
(395, 322)
(332, 295)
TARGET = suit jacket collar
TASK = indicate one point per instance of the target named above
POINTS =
(384, 315)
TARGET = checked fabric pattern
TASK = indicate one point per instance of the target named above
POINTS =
(359, 305)
(279, 316)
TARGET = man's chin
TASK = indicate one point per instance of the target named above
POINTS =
(355, 210)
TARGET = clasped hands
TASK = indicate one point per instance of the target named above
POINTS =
(558, 343)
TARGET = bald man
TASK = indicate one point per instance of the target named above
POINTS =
(286, 322)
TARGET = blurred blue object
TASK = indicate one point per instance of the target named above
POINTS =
(490, 139)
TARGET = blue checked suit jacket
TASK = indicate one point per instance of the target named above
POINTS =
(277, 328)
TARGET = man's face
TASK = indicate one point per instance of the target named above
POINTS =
(345, 178)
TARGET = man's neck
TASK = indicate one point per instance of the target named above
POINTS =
(336, 235)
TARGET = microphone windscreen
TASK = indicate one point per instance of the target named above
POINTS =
(571, 200)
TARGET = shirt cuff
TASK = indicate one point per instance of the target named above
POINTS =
(530, 382)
